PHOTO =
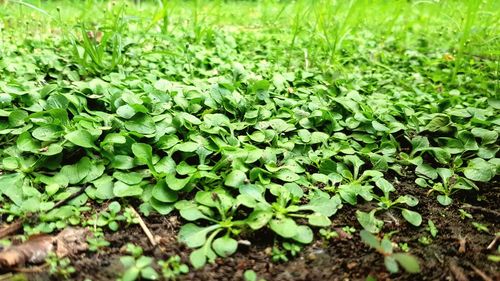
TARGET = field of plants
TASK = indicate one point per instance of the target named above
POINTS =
(249, 140)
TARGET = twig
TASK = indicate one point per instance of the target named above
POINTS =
(144, 226)
(11, 228)
(457, 272)
(477, 208)
(72, 196)
(481, 274)
(34, 269)
(492, 244)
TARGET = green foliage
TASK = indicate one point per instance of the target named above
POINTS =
(109, 218)
(97, 241)
(391, 259)
(272, 119)
(137, 266)
(60, 267)
(372, 224)
(281, 254)
(173, 268)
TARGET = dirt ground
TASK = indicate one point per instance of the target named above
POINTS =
(459, 252)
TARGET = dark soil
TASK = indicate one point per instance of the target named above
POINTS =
(459, 252)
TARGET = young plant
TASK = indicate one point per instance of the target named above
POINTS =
(137, 266)
(351, 183)
(60, 267)
(217, 208)
(97, 241)
(385, 203)
(173, 268)
(328, 234)
(391, 259)
(280, 215)
(110, 218)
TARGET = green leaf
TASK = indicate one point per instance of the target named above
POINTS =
(258, 219)
(432, 228)
(176, 184)
(125, 111)
(427, 170)
(391, 264)
(225, 246)
(187, 146)
(131, 274)
(161, 207)
(194, 236)
(142, 124)
(369, 222)
(385, 186)
(198, 258)
(149, 273)
(318, 137)
(26, 143)
(284, 227)
(47, 133)
(122, 189)
(420, 144)
(412, 217)
(144, 153)
(487, 136)
(11, 186)
(408, 262)
(235, 179)
(163, 194)
(17, 118)
(286, 175)
(322, 205)
(192, 213)
(104, 186)
(77, 172)
(81, 138)
(319, 220)
(304, 234)
(444, 200)
(369, 239)
(479, 170)
(128, 178)
(438, 122)
(250, 275)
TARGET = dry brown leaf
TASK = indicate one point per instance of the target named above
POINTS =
(36, 249)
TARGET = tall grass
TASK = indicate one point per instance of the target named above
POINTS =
(323, 32)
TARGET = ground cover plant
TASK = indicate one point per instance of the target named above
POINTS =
(249, 140)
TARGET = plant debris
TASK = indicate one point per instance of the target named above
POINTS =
(37, 248)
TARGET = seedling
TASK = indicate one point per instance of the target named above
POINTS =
(391, 260)
(218, 208)
(404, 247)
(137, 266)
(372, 224)
(464, 214)
(97, 241)
(279, 215)
(328, 234)
(480, 227)
(60, 267)
(432, 228)
(425, 240)
(173, 268)
(110, 218)
(350, 230)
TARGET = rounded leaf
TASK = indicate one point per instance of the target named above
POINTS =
(225, 246)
